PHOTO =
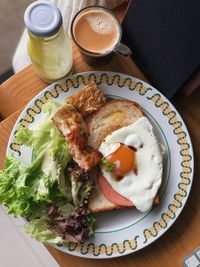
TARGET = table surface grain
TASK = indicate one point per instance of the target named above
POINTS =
(184, 235)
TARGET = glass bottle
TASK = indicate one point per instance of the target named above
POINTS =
(49, 47)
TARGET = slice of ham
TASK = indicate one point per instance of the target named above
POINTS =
(112, 195)
(115, 197)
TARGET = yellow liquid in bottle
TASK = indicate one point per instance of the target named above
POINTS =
(51, 56)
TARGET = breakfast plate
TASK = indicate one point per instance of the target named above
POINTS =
(120, 232)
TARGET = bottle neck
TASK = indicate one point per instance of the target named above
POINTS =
(51, 38)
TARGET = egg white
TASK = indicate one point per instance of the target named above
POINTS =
(140, 188)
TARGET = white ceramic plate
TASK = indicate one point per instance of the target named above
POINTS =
(124, 231)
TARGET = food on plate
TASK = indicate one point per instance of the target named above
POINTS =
(89, 155)
(71, 124)
(115, 114)
(118, 114)
(111, 194)
(136, 163)
(52, 192)
(87, 100)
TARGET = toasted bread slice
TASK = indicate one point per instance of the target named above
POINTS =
(115, 114)
(98, 202)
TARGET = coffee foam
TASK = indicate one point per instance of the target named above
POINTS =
(102, 23)
(96, 31)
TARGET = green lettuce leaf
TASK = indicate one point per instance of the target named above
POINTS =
(51, 107)
(85, 192)
(26, 189)
(81, 185)
(66, 210)
(75, 187)
(91, 221)
(80, 190)
(38, 229)
(44, 138)
(18, 187)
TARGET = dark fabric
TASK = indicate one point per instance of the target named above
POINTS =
(164, 36)
(4, 76)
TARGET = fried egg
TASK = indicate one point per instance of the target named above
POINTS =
(137, 165)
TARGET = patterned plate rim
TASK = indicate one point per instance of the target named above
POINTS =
(179, 129)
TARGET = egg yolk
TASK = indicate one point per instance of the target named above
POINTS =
(124, 160)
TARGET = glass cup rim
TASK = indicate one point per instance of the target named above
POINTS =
(88, 51)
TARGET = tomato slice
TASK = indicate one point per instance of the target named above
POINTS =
(111, 194)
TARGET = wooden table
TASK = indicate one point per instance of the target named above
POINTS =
(184, 235)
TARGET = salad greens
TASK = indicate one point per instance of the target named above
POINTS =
(81, 185)
(37, 228)
(33, 191)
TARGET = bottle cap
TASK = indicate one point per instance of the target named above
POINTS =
(43, 18)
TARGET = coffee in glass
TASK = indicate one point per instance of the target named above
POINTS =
(97, 33)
